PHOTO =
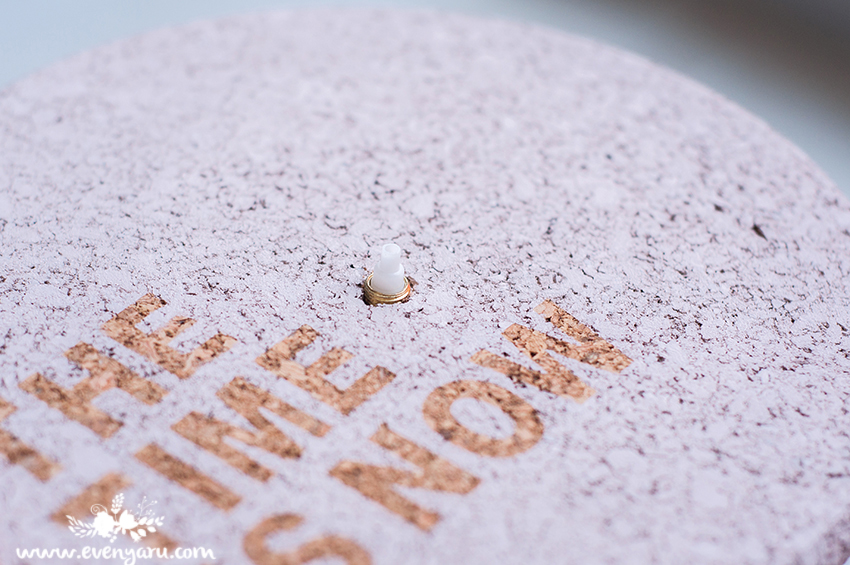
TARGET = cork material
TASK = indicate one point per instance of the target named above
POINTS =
(592, 350)
(556, 378)
(187, 476)
(528, 429)
(629, 340)
(122, 328)
(246, 399)
(18, 453)
(377, 482)
(71, 404)
(280, 361)
(107, 373)
(327, 546)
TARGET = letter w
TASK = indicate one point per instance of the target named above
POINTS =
(247, 399)
(555, 378)
(377, 482)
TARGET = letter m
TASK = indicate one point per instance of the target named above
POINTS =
(247, 399)
(555, 378)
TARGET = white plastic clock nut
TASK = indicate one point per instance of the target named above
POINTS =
(387, 283)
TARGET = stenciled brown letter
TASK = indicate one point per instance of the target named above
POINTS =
(377, 482)
(122, 328)
(555, 378)
(280, 361)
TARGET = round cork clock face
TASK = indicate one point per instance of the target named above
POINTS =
(627, 340)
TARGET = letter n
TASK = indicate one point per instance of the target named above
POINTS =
(377, 482)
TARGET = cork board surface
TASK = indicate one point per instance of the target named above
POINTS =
(628, 342)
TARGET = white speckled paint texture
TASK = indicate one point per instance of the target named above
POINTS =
(247, 171)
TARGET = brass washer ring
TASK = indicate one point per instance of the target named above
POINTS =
(372, 296)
